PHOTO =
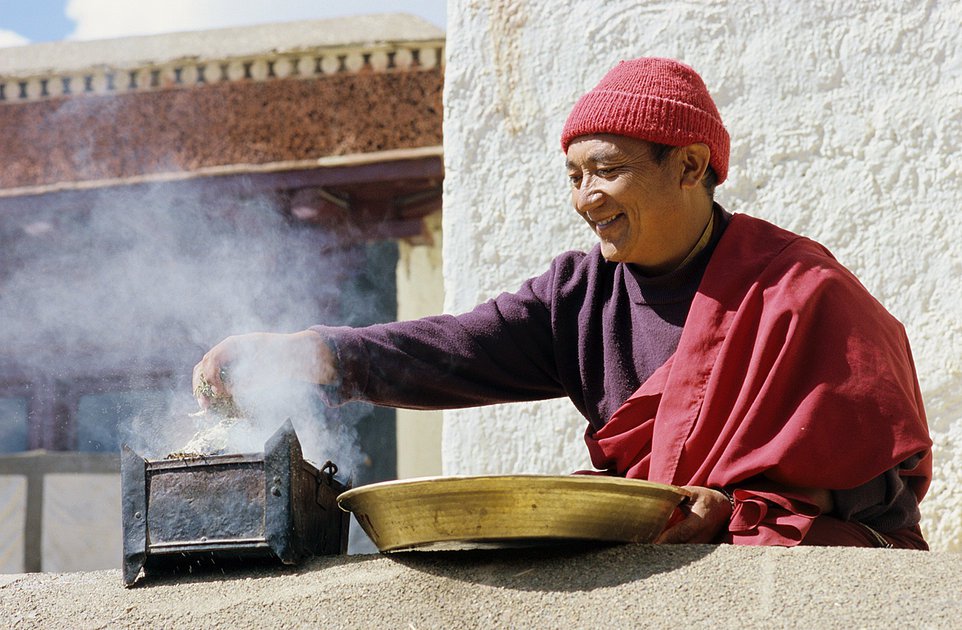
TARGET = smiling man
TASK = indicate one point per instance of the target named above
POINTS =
(707, 350)
(628, 191)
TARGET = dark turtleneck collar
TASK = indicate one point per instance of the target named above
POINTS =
(678, 285)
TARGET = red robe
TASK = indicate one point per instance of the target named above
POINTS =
(788, 370)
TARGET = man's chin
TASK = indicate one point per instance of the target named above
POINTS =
(611, 253)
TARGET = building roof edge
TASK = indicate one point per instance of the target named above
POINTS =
(67, 57)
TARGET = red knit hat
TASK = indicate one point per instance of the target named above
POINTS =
(658, 100)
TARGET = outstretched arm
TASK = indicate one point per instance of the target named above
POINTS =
(301, 356)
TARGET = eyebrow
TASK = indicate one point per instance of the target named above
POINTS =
(597, 155)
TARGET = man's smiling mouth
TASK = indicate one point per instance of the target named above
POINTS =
(602, 224)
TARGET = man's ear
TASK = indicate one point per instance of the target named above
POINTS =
(693, 160)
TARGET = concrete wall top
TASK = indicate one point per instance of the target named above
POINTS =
(629, 586)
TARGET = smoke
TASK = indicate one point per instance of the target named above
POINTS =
(132, 289)
(127, 271)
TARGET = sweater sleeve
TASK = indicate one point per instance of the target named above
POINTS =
(502, 351)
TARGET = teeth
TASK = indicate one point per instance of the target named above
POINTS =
(606, 221)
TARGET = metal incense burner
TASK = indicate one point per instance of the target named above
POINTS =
(220, 509)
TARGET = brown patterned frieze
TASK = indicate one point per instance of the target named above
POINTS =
(203, 116)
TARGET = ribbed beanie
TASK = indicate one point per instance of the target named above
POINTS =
(658, 100)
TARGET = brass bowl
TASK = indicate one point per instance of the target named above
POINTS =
(498, 510)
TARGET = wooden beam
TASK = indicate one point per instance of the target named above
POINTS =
(426, 171)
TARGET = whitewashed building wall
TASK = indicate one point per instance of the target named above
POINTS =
(846, 125)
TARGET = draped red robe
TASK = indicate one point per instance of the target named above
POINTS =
(787, 370)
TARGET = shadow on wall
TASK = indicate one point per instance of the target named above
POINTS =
(548, 568)
(537, 569)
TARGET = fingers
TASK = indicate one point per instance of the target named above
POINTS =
(680, 532)
(692, 530)
(213, 368)
(207, 379)
(197, 386)
(704, 517)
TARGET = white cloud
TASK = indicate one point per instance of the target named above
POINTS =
(9, 38)
(98, 19)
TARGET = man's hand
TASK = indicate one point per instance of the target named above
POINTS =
(706, 512)
(260, 358)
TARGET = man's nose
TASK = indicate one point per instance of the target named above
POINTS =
(587, 198)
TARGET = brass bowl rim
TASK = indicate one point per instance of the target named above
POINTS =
(598, 481)
(385, 509)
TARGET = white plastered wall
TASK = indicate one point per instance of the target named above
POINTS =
(420, 293)
(846, 125)
(13, 511)
(82, 529)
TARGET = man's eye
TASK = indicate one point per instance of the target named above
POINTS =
(604, 172)
(574, 179)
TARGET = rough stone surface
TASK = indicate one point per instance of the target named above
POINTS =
(621, 587)
(845, 125)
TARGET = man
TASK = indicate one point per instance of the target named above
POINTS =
(706, 350)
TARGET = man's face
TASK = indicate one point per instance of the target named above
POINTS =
(630, 201)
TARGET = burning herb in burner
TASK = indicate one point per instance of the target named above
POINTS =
(216, 439)
(213, 440)
(220, 405)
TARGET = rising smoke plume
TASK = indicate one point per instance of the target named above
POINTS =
(145, 280)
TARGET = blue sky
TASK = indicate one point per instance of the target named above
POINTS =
(35, 20)
(23, 21)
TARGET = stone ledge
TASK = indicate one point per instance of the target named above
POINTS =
(571, 587)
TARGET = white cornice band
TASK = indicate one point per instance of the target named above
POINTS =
(192, 72)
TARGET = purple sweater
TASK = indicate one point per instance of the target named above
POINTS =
(587, 329)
